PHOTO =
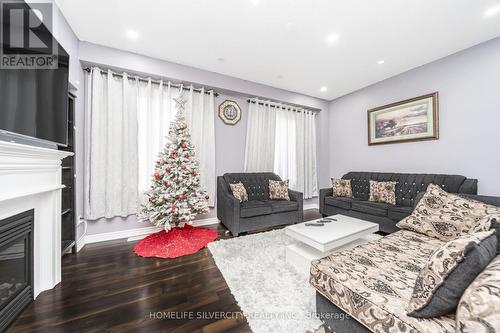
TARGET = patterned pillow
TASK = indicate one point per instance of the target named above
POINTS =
(479, 308)
(446, 216)
(278, 190)
(239, 191)
(383, 192)
(448, 273)
(342, 187)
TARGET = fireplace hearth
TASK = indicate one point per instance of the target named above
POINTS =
(16, 265)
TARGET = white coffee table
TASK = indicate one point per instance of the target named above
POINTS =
(317, 242)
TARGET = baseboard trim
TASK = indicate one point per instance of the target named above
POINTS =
(132, 234)
(311, 206)
(80, 243)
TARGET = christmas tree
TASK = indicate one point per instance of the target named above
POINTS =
(175, 195)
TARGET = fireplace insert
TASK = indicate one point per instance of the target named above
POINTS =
(16, 266)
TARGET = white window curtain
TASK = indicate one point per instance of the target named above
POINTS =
(261, 128)
(156, 111)
(111, 146)
(146, 110)
(288, 148)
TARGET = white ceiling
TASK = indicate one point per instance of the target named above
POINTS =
(283, 43)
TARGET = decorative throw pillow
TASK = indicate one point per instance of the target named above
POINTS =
(479, 308)
(448, 273)
(342, 187)
(278, 190)
(239, 191)
(446, 216)
(383, 192)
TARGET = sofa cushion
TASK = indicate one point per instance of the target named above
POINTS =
(239, 191)
(397, 213)
(447, 216)
(408, 187)
(383, 192)
(256, 183)
(281, 206)
(255, 208)
(448, 273)
(342, 187)
(344, 203)
(373, 208)
(479, 306)
(278, 190)
(373, 282)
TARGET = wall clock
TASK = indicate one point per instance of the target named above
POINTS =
(229, 112)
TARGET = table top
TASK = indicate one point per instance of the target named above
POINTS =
(331, 234)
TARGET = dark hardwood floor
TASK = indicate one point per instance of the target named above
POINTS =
(107, 288)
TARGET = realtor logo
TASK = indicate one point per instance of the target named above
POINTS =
(25, 38)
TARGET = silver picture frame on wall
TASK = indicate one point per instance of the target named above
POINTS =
(414, 119)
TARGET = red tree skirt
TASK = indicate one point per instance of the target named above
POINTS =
(175, 243)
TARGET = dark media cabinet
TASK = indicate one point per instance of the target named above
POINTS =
(68, 240)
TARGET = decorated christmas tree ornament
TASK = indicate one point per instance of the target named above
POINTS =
(182, 197)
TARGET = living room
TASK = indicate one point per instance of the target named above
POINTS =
(249, 166)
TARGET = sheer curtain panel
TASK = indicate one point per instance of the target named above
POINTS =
(156, 111)
(282, 138)
(261, 128)
(127, 122)
(111, 150)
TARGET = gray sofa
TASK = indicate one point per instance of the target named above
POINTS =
(337, 320)
(408, 189)
(259, 211)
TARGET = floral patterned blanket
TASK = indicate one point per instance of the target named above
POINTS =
(374, 282)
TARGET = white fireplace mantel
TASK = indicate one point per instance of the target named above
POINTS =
(30, 178)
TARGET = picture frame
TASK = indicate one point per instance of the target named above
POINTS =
(229, 112)
(414, 119)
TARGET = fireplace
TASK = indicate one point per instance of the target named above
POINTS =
(16, 265)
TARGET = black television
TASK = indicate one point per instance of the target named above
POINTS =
(34, 102)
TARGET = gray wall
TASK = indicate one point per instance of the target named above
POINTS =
(229, 140)
(468, 83)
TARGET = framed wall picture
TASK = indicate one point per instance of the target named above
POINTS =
(413, 119)
(229, 112)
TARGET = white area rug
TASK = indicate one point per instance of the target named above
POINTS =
(271, 294)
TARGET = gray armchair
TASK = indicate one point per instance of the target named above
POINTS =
(259, 211)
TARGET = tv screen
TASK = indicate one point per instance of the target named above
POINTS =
(34, 102)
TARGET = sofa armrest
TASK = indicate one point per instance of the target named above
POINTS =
(324, 192)
(469, 186)
(228, 207)
(298, 197)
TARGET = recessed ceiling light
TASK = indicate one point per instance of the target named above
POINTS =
(221, 59)
(323, 89)
(492, 11)
(132, 34)
(332, 38)
(381, 62)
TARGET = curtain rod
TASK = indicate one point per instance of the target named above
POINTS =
(294, 109)
(143, 79)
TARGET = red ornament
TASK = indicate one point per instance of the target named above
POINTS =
(174, 153)
(207, 197)
(194, 173)
(157, 176)
(183, 167)
(173, 208)
(184, 145)
(181, 196)
(186, 156)
(167, 170)
(150, 199)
